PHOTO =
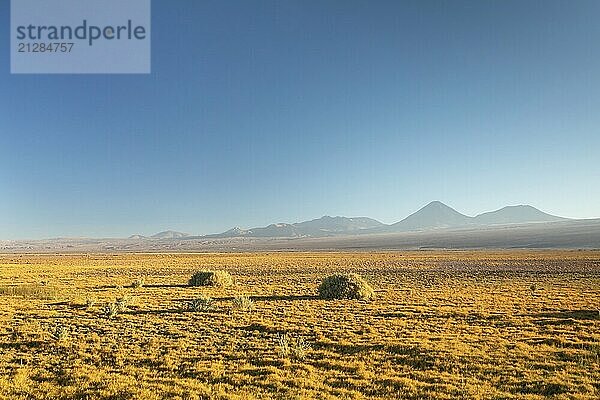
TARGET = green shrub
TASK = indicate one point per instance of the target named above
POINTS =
(349, 286)
(211, 278)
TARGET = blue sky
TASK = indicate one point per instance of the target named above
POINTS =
(270, 111)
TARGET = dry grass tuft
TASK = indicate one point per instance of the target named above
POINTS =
(243, 303)
(201, 304)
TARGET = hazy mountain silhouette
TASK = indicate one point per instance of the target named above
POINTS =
(161, 235)
(169, 235)
(515, 215)
(329, 224)
(437, 215)
(323, 226)
(434, 215)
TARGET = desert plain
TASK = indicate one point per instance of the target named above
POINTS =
(520, 324)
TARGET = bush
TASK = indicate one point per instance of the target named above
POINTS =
(350, 286)
(211, 278)
(90, 302)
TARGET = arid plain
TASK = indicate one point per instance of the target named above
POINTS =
(442, 325)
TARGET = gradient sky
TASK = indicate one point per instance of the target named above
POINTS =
(281, 111)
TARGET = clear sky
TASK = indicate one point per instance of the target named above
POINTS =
(281, 111)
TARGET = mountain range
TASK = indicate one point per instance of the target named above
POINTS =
(434, 216)
(437, 215)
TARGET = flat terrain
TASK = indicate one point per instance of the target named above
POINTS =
(443, 325)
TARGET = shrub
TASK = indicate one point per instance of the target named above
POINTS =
(350, 286)
(243, 303)
(201, 304)
(211, 278)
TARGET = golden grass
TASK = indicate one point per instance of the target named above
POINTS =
(442, 325)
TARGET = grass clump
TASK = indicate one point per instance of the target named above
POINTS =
(348, 286)
(59, 333)
(243, 303)
(292, 347)
(110, 310)
(138, 283)
(211, 278)
(122, 303)
(201, 304)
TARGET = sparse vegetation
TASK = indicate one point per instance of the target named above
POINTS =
(345, 286)
(138, 283)
(211, 278)
(444, 325)
(59, 333)
(243, 303)
(122, 302)
(294, 347)
(201, 304)
(110, 310)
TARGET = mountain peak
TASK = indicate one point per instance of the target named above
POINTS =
(437, 204)
(518, 214)
(434, 215)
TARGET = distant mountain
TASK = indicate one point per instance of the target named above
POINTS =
(437, 215)
(324, 226)
(329, 224)
(515, 215)
(434, 215)
(169, 235)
